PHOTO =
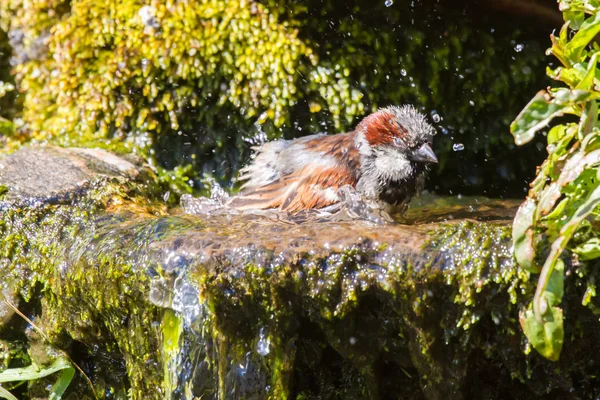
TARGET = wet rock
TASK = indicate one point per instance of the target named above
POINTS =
(257, 305)
(7, 295)
(51, 173)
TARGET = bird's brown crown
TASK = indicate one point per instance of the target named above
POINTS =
(394, 125)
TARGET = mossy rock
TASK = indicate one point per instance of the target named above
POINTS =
(156, 304)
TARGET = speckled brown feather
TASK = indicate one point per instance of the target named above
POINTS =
(313, 186)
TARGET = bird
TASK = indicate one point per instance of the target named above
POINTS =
(385, 158)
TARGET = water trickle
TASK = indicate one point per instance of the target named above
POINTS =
(262, 347)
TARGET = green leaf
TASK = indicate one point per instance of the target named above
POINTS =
(592, 141)
(547, 335)
(588, 119)
(523, 236)
(570, 76)
(556, 133)
(558, 210)
(574, 18)
(587, 81)
(556, 285)
(540, 180)
(62, 383)
(588, 250)
(5, 394)
(544, 107)
(559, 46)
(33, 371)
(558, 246)
(588, 30)
(584, 6)
(536, 115)
(548, 198)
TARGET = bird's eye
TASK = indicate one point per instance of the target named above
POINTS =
(398, 141)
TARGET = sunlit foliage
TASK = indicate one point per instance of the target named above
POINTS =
(561, 211)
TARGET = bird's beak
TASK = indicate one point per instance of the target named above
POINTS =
(424, 154)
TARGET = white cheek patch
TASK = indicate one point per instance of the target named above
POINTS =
(391, 164)
(386, 165)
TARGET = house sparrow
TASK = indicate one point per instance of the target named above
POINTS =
(385, 159)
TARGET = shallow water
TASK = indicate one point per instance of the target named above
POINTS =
(426, 209)
(430, 208)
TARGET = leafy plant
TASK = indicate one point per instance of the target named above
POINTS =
(562, 204)
(34, 372)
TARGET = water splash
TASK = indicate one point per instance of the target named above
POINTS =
(207, 205)
(351, 207)
(262, 347)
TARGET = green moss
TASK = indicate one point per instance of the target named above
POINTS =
(363, 322)
(432, 312)
(97, 299)
(480, 255)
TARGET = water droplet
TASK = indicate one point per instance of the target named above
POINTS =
(166, 196)
(403, 72)
(352, 340)
(519, 47)
(388, 3)
(436, 118)
(471, 103)
(262, 347)
(458, 147)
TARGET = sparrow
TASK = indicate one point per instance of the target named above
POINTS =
(385, 158)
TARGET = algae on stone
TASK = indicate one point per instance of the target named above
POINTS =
(155, 304)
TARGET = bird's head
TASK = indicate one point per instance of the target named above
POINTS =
(400, 131)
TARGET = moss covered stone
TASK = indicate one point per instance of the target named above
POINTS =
(154, 304)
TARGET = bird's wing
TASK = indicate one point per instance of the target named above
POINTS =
(315, 168)
(314, 186)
